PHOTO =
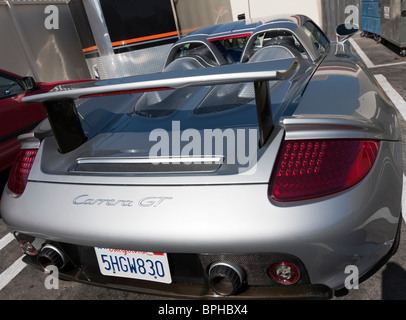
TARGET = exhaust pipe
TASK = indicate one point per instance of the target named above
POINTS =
(226, 278)
(50, 255)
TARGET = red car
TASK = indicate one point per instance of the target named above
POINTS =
(17, 117)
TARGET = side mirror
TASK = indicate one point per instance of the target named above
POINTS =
(345, 31)
(29, 83)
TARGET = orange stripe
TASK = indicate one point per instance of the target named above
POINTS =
(154, 36)
(135, 40)
(146, 38)
(90, 49)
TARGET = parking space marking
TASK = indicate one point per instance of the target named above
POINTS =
(6, 240)
(9, 274)
(368, 61)
(361, 53)
(393, 95)
(388, 64)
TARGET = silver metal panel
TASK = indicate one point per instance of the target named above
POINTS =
(137, 62)
(99, 27)
(111, 65)
(57, 52)
(12, 55)
(333, 13)
(194, 14)
(393, 23)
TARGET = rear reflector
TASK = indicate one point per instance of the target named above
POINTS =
(312, 168)
(21, 169)
(284, 272)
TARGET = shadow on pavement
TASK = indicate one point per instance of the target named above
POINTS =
(393, 282)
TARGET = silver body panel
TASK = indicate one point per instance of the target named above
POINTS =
(185, 222)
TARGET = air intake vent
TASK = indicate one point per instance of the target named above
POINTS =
(146, 165)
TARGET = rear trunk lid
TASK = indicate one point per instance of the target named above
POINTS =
(197, 132)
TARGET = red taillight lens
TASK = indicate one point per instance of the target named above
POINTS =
(21, 169)
(313, 168)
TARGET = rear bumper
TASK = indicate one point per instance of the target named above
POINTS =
(355, 227)
(193, 284)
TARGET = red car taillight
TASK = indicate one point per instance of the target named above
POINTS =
(312, 168)
(21, 169)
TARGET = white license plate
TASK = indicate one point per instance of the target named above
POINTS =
(151, 266)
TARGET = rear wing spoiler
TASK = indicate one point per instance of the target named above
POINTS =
(65, 123)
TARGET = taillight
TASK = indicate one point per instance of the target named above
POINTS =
(312, 168)
(21, 169)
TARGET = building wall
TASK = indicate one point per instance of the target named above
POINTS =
(58, 54)
(326, 13)
(255, 9)
(32, 49)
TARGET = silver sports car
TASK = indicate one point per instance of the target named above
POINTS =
(263, 161)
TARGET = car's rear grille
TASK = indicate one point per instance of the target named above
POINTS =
(146, 165)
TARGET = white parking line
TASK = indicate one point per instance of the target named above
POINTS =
(18, 265)
(361, 53)
(388, 64)
(11, 272)
(393, 95)
(6, 240)
(368, 61)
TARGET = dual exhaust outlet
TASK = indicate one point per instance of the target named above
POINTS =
(51, 255)
(225, 278)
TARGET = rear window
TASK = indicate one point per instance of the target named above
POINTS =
(276, 38)
(195, 49)
(231, 48)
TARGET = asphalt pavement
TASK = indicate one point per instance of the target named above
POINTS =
(20, 282)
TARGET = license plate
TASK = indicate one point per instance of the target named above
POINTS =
(151, 266)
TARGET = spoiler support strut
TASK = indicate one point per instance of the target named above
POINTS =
(264, 111)
(65, 123)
